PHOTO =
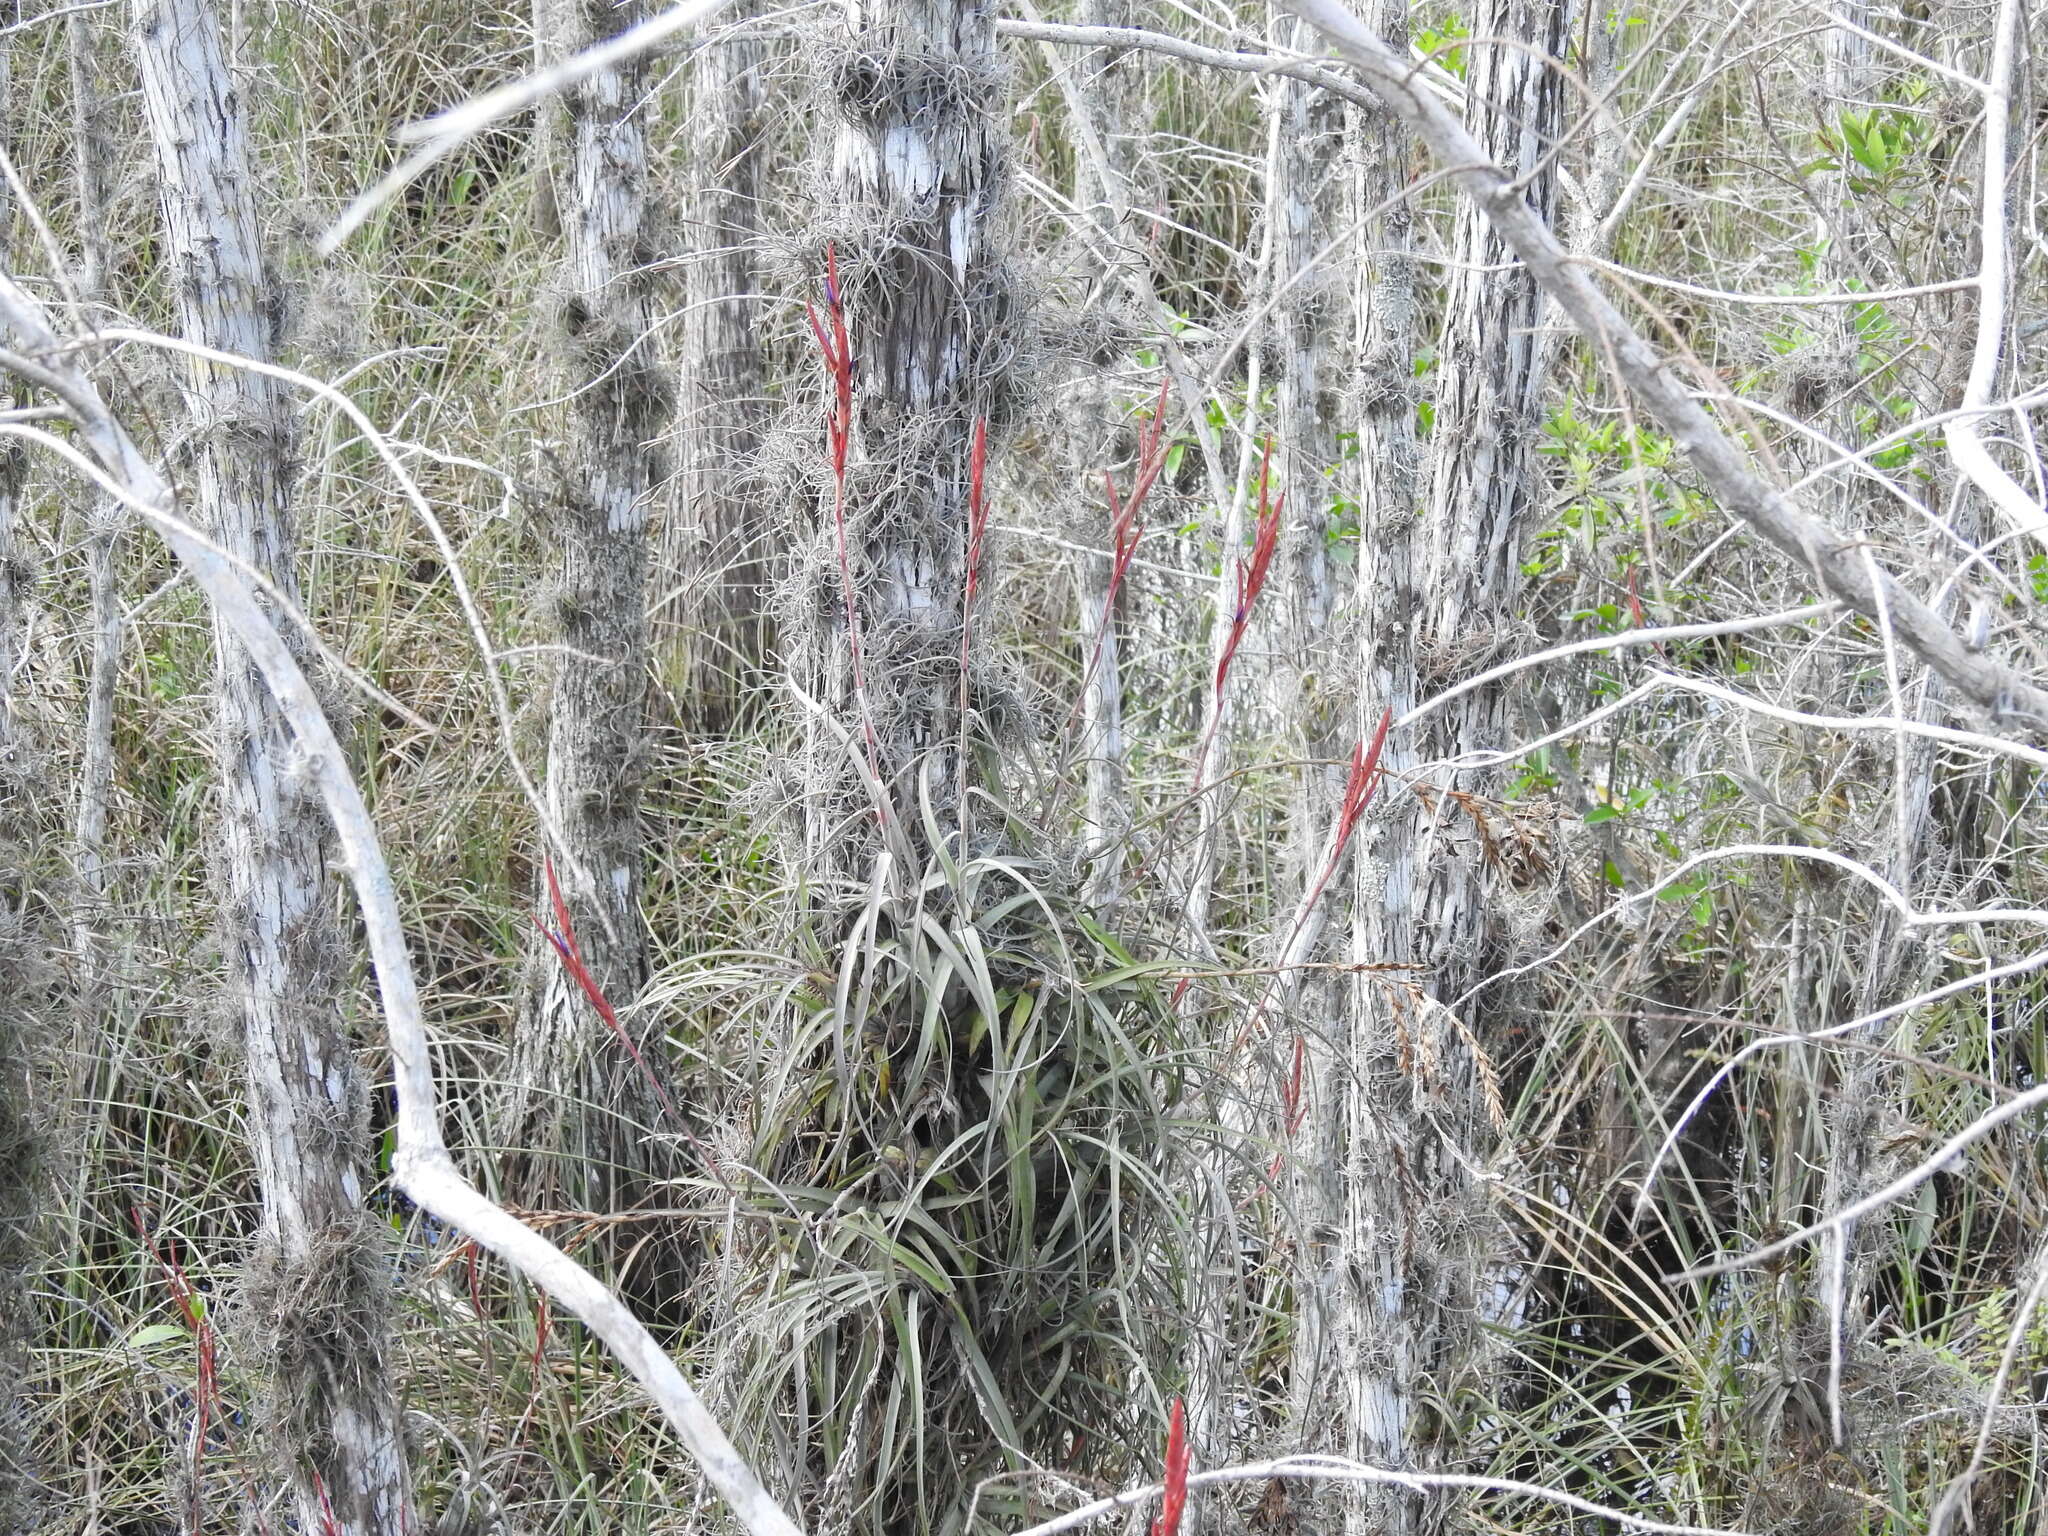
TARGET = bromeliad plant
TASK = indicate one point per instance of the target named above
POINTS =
(206, 1394)
(562, 939)
(964, 1241)
(1126, 522)
(1249, 580)
(836, 348)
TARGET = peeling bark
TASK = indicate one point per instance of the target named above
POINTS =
(319, 1282)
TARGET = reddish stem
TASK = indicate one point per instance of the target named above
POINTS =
(1361, 784)
(563, 938)
(1127, 527)
(837, 351)
(206, 1395)
(1251, 577)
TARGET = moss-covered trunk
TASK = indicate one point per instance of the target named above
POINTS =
(588, 1114)
(914, 228)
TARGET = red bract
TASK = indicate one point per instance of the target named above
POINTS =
(1250, 582)
(838, 354)
(1175, 1501)
(977, 533)
(1252, 573)
(1360, 785)
(837, 351)
(329, 1526)
(564, 941)
(1359, 788)
(1126, 526)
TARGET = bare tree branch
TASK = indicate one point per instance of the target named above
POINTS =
(445, 132)
(1340, 1469)
(421, 1164)
(2003, 693)
(1965, 442)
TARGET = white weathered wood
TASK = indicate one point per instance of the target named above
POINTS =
(2002, 693)
(1964, 433)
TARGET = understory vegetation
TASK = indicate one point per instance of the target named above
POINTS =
(1004, 669)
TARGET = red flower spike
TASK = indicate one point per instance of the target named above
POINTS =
(1126, 526)
(825, 348)
(1174, 1503)
(1297, 1105)
(837, 352)
(977, 501)
(1359, 788)
(1251, 581)
(1252, 573)
(1360, 785)
(564, 941)
(329, 1526)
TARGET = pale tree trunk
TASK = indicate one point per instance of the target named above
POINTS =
(1309, 693)
(320, 1284)
(1438, 595)
(91, 155)
(1105, 184)
(1376, 1347)
(587, 1108)
(724, 536)
(917, 177)
(20, 1143)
